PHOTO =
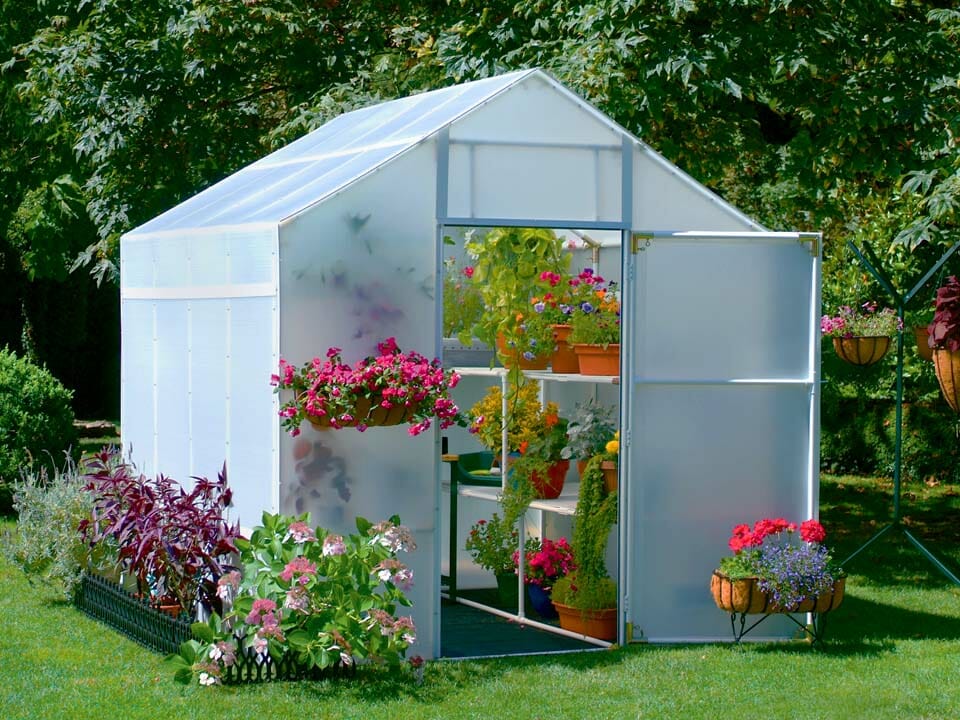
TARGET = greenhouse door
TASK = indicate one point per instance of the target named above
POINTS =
(721, 414)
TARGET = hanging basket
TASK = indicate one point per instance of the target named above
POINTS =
(745, 596)
(946, 363)
(564, 358)
(370, 416)
(923, 347)
(863, 350)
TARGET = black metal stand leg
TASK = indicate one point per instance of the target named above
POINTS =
(815, 630)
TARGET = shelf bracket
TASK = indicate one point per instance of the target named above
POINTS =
(638, 237)
(813, 238)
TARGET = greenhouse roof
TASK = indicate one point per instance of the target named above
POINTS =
(326, 160)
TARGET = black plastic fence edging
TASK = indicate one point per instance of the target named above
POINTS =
(107, 602)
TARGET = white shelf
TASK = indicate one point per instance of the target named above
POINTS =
(499, 372)
(566, 504)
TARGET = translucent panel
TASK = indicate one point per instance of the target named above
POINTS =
(304, 172)
(537, 111)
(136, 263)
(665, 198)
(707, 458)
(250, 458)
(136, 382)
(208, 387)
(716, 310)
(172, 261)
(371, 277)
(173, 439)
(209, 262)
(504, 181)
(251, 257)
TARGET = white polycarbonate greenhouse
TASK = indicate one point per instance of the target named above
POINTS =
(337, 240)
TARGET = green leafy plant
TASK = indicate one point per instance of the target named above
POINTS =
(527, 418)
(47, 544)
(591, 427)
(322, 598)
(462, 301)
(36, 421)
(492, 543)
(508, 263)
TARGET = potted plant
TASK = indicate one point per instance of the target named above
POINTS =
(527, 417)
(507, 263)
(591, 427)
(778, 567)
(944, 338)
(545, 561)
(491, 544)
(551, 308)
(385, 389)
(540, 467)
(861, 336)
(921, 323)
(595, 325)
(586, 599)
(174, 541)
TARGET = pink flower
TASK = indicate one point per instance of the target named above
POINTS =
(261, 610)
(298, 566)
(334, 545)
(300, 532)
(468, 271)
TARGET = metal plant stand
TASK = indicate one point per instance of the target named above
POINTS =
(901, 302)
(815, 630)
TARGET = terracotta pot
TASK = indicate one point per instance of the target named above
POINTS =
(581, 466)
(610, 480)
(550, 487)
(923, 347)
(745, 596)
(510, 356)
(600, 624)
(865, 350)
(597, 360)
(946, 363)
(564, 358)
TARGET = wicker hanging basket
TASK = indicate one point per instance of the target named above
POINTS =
(946, 363)
(862, 350)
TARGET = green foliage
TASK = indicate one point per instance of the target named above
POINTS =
(36, 418)
(46, 544)
(323, 598)
(492, 543)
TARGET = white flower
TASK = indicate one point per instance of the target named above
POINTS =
(207, 679)
(215, 653)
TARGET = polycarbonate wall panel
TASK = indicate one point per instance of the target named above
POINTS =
(668, 199)
(353, 271)
(208, 391)
(707, 458)
(714, 309)
(172, 372)
(136, 382)
(501, 181)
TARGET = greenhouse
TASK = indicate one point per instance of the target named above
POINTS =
(340, 240)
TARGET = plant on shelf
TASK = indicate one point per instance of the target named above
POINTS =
(944, 338)
(587, 597)
(308, 595)
(174, 541)
(861, 336)
(596, 316)
(507, 264)
(780, 567)
(384, 389)
(527, 417)
(492, 543)
(462, 301)
(539, 472)
(590, 428)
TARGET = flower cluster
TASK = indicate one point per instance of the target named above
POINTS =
(596, 316)
(331, 391)
(864, 321)
(491, 543)
(527, 417)
(789, 571)
(546, 561)
(321, 602)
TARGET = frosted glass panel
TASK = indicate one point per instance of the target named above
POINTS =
(208, 259)
(720, 310)
(251, 258)
(371, 276)
(707, 458)
(136, 263)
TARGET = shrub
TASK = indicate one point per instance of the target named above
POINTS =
(46, 543)
(36, 420)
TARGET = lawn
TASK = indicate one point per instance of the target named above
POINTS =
(891, 651)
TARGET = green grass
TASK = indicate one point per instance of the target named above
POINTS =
(892, 651)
